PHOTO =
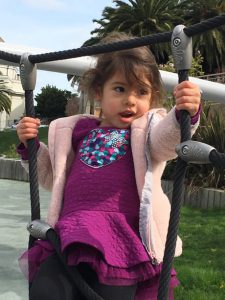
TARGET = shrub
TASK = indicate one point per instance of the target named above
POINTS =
(211, 131)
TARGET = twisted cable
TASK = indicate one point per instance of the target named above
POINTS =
(116, 46)
(132, 43)
(177, 195)
(14, 58)
(32, 149)
(73, 274)
(205, 25)
(33, 177)
(165, 276)
(103, 48)
(217, 159)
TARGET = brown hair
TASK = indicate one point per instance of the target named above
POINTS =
(132, 62)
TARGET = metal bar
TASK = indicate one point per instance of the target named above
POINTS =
(212, 91)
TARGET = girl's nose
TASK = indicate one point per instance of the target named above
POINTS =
(130, 99)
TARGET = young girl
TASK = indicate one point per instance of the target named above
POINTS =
(107, 204)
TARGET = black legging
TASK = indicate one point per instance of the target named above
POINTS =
(52, 283)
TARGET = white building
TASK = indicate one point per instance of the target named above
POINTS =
(9, 76)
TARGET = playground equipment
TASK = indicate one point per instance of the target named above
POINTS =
(187, 151)
(212, 91)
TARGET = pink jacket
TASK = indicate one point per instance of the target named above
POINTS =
(153, 140)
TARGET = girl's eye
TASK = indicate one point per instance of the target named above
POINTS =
(119, 89)
(143, 92)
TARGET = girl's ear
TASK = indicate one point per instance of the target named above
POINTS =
(98, 94)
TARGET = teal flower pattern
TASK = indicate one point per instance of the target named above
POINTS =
(102, 146)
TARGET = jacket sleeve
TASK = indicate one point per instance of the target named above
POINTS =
(164, 134)
(44, 167)
(45, 173)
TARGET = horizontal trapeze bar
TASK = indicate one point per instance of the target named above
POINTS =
(212, 91)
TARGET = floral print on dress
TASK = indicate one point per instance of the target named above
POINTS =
(101, 146)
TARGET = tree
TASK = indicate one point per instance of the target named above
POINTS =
(72, 106)
(5, 101)
(146, 17)
(195, 70)
(51, 102)
(139, 18)
(211, 44)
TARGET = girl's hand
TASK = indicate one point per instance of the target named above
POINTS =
(27, 129)
(188, 97)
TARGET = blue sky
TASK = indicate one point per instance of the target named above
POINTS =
(49, 24)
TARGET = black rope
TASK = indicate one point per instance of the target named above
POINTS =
(32, 149)
(165, 276)
(14, 58)
(185, 131)
(104, 48)
(84, 288)
(185, 124)
(205, 25)
(217, 159)
(117, 46)
(177, 195)
(73, 274)
(33, 177)
(132, 43)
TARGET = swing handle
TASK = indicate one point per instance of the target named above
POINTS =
(28, 73)
(38, 229)
(194, 152)
(181, 46)
(41, 230)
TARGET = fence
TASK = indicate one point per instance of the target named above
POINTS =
(205, 198)
(12, 169)
(218, 77)
(201, 198)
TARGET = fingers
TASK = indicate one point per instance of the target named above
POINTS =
(27, 128)
(188, 97)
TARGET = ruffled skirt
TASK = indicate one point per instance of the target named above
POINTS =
(110, 243)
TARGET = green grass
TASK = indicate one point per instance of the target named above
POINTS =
(9, 141)
(201, 268)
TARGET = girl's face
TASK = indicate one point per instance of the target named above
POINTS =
(122, 103)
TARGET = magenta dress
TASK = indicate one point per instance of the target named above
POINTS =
(99, 220)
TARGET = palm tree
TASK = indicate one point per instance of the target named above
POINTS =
(146, 17)
(210, 44)
(5, 101)
(139, 18)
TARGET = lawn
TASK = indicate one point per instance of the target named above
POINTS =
(9, 141)
(201, 267)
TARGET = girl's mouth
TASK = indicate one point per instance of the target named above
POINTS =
(127, 114)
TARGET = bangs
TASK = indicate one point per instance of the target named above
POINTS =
(135, 73)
